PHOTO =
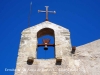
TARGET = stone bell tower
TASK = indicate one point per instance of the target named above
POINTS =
(27, 62)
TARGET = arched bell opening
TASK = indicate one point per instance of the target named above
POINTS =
(46, 44)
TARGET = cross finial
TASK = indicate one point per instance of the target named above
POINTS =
(47, 12)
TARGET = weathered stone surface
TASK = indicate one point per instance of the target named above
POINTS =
(84, 62)
(28, 46)
(89, 55)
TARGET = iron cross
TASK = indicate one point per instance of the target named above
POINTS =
(47, 12)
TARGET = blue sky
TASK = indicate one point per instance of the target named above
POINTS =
(81, 17)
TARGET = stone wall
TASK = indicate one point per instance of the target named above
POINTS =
(28, 46)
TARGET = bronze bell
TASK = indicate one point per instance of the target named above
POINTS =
(46, 42)
(45, 47)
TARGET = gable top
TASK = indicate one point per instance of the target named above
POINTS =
(46, 24)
